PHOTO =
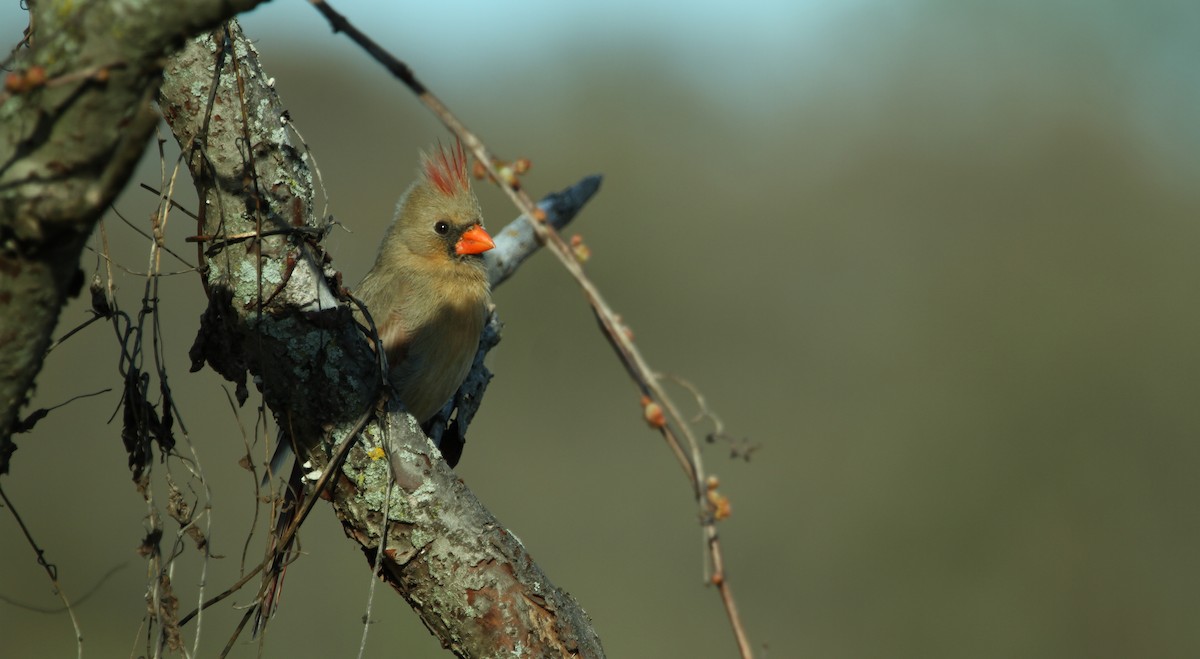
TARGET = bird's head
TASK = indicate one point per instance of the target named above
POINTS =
(439, 218)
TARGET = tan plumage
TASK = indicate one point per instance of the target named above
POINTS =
(428, 290)
(428, 295)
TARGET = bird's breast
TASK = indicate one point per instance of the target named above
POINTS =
(439, 356)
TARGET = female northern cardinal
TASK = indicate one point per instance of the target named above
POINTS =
(428, 289)
(428, 295)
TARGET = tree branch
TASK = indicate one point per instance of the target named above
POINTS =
(74, 119)
(277, 310)
(673, 427)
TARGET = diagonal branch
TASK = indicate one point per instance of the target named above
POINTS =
(677, 432)
(277, 311)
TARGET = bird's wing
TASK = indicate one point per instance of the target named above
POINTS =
(395, 339)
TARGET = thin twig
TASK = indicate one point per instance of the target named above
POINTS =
(253, 474)
(312, 160)
(158, 223)
(147, 236)
(137, 273)
(73, 332)
(230, 239)
(98, 74)
(379, 554)
(621, 341)
(175, 204)
(331, 468)
(26, 424)
(50, 569)
(59, 609)
(237, 585)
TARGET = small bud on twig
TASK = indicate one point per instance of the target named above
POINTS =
(509, 171)
(652, 413)
(721, 508)
(623, 327)
(581, 251)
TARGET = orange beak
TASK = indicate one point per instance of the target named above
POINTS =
(473, 241)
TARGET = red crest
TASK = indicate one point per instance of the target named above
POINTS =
(447, 170)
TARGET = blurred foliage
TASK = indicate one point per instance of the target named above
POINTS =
(944, 272)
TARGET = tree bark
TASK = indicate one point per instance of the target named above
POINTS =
(277, 311)
(75, 117)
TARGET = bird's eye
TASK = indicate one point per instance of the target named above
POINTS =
(442, 227)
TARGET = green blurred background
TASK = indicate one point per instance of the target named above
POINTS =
(938, 259)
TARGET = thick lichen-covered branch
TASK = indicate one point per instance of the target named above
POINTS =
(75, 117)
(279, 313)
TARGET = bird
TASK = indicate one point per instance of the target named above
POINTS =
(428, 296)
(428, 291)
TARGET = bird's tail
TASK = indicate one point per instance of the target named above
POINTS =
(279, 554)
(283, 451)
